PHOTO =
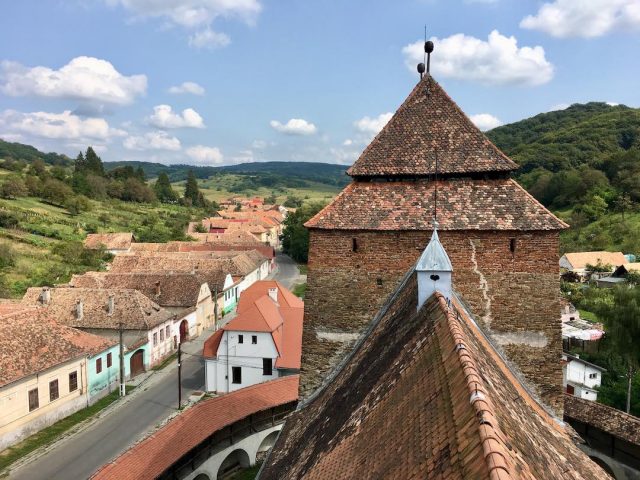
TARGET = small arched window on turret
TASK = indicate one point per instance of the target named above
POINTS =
(354, 244)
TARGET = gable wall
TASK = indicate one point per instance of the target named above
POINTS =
(516, 295)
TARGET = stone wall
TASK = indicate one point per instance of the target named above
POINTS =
(509, 279)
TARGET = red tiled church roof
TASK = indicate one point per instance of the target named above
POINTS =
(425, 395)
(425, 126)
(159, 451)
(499, 204)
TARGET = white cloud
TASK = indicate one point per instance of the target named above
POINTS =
(485, 121)
(205, 155)
(83, 78)
(559, 106)
(344, 156)
(164, 117)
(260, 144)
(295, 126)
(347, 143)
(187, 87)
(584, 18)
(63, 125)
(157, 140)
(373, 125)
(497, 61)
(209, 39)
(244, 156)
(612, 104)
(195, 15)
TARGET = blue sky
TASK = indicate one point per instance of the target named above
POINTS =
(292, 79)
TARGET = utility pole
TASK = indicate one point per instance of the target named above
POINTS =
(215, 308)
(179, 375)
(123, 389)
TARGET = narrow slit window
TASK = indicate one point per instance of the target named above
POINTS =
(354, 244)
(512, 245)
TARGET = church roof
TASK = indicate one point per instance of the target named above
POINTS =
(425, 126)
(434, 258)
(499, 204)
(429, 384)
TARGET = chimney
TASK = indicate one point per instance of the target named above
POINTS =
(45, 296)
(111, 304)
(434, 271)
(79, 310)
(158, 288)
(273, 293)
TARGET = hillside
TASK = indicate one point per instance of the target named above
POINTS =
(27, 153)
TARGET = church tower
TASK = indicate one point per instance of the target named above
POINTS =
(502, 243)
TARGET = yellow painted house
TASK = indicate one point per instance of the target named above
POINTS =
(43, 371)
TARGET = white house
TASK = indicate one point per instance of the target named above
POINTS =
(577, 262)
(581, 378)
(262, 342)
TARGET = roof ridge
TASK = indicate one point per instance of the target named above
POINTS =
(496, 455)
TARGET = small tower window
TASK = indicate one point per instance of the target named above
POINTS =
(512, 245)
(379, 282)
(354, 244)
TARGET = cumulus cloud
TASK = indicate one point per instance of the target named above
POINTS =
(83, 78)
(164, 117)
(195, 15)
(344, 156)
(63, 125)
(373, 125)
(485, 121)
(187, 87)
(496, 61)
(205, 155)
(584, 18)
(157, 140)
(295, 126)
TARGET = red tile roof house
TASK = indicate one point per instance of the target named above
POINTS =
(148, 328)
(114, 243)
(212, 438)
(187, 295)
(261, 343)
(43, 375)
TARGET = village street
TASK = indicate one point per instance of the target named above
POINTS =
(81, 454)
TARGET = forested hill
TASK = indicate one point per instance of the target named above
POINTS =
(327, 173)
(27, 153)
(586, 156)
(580, 134)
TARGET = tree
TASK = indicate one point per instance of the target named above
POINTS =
(104, 219)
(93, 162)
(621, 318)
(293, 202)
(191, 190)
(163, 189)
(56, 192)
(13, 187)
(80, 165)
(140, 174)
(295, 236)
(78, 204)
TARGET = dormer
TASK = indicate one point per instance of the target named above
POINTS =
(433, 270)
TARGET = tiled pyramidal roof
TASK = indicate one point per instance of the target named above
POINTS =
(426, 126)
(395, 177)
(425, 395)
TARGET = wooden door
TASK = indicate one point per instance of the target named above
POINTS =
(137, 363)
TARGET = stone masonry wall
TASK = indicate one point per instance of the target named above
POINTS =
(515, 294)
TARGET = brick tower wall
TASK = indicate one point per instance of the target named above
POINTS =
(509, 279)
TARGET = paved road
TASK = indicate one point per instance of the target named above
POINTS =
(81, 454)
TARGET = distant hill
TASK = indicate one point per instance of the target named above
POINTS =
(19, 151)
(583, 134)
(289, 174)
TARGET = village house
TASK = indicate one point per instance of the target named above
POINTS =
(581, 378)
(114, 243)
(186, 295)
(147, 328)
(45, 371)
(576, 262)
(426, 379)
(577, 332)
(619, 275)
(261, 343)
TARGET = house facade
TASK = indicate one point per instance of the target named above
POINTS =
(261, 343)
(577, 262)
(581, 378)
(45, 372)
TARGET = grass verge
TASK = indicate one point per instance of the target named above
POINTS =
(300, 289)
(165, 362)
(589, 316)
(47, 435)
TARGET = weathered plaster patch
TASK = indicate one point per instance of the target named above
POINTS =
(529, 338)
(337, 337)
(484, 286)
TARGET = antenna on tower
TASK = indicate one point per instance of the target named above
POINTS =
(421, 67)
(435, 195)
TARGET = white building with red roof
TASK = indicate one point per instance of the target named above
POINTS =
(261, 343)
